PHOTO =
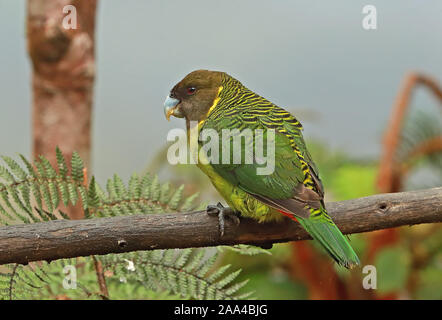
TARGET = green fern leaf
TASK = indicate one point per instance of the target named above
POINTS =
(155, 189)
(72, 190)
(77, 167)
(15, 168)
(61, 163)
(134, 186)
(176, 198)
(6, 175)
(188, 204)
(93, 198)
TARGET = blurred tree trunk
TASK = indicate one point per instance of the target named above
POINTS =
(63, 62)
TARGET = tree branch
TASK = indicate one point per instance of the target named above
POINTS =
(73, 238)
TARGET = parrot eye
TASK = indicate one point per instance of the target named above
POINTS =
(191, 90)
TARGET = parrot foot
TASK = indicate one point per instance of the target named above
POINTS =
(222, 213)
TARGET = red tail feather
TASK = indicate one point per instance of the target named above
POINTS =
(291, 216)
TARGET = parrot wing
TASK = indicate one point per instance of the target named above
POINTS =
(293, 186)
(287, 187)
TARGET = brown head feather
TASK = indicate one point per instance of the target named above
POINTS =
(197, 93)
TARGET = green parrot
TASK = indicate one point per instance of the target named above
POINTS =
(216, 101)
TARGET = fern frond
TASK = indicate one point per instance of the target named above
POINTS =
(34, 192)
(176, 198)
(43, 280)
(61, 163)
(15, 167)
(141, 195)
(38, 185)
(180, 271)
(77, 167)
(189, 203)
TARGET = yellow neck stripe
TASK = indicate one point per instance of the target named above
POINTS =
(215, 102)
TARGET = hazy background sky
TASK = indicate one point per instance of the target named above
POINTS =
(302, 55)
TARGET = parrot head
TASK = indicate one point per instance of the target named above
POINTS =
(192, 97)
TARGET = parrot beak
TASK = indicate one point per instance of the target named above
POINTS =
(171, 108)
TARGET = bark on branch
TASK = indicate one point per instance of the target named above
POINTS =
(73, 238)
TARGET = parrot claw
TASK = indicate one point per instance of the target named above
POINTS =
(222, 213)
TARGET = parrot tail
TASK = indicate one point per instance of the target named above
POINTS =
(322, 228)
